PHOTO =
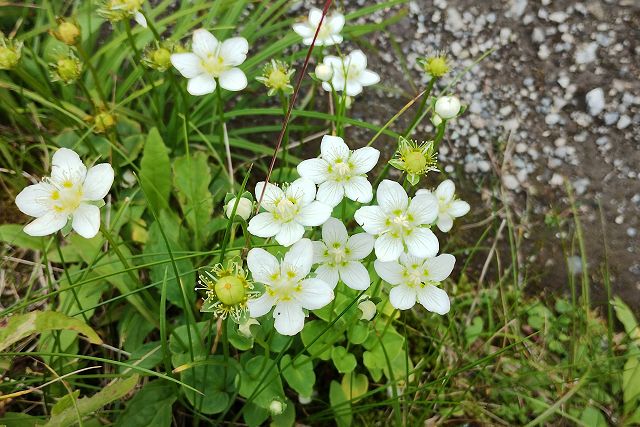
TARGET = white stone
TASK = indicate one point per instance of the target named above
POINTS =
(586, 53)
(624, 122)
(595, 101)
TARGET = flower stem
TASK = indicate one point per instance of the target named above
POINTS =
(420, 111)
(439, 135)
(224, 137)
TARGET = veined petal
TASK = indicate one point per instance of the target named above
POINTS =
(445, 222)
(303, 190)
(326, 86)
(355, 275)
(388, 248)
(315, 294)
(315, 15)
(368, 78)
(333, 61)
(364, 159)
(402, 297)
(188, 64)
(390, 271)
(336, 22)
(334, 231)
(303, 29)
(319, 249)
(331, 193)
(47, 224)
(440, 267)
(35, 200)
(424, 209)
(289, 317)
(98, 182)
(300, 256)
(391, 196)
(333, 148)
(317, 170)
(446, 190)
(201, 84)
(353, 88)
(140, 19)
(371, 218)
(234, 51)
(328, 274)
(358, 59)
(233, 80)
(86, 220)
(314, 214)
(459, 208)
(261, 305)
(66, 166)
(289, 233)
(359, 246)
(333, 39)
(271, 194)
(434, 299)
(204, 43)
(358, 189)
(262, 265)
(264, 225)
(422, 243)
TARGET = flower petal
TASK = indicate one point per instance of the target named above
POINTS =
(445, 222)
(331, 193)
(289, 233)
(315, 15)
(201, 84)
(234, 51)
(303, 30)
(459, 208)
(333, 148)
(35, 200)
(262, 265)
(368, 78)
(261, 305)
(328, 274)
(355, 275)
(336, 22)
(303, 190)
(353, 88)
(315, 294)
(446, 190)
(188, 64)
(402, 297)
(66, 166)
(204, 43)
(422, 243)
(319, 249)
(233, 80)
(98, 182)
(271, 194)
(358, 189)
(314, 214)
(317, 170)
(289, 317)
(334, 231)
(300, 256)
(359, 246)
(140, 19)
(364, 159)
(440, 267)
(388, 248)
(424, 209)
(391, 196)
(264, 225)
(358, 59)
(434, 299)
(86, 220)
(390, 272)
(371, 218)
(47, 224)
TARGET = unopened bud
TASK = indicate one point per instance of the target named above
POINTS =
(67, 32)
(277, 407)
(324, 72)
(243, 210)
(10, 52)
(368, 309)
(447, 107)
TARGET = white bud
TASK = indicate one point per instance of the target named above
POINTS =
(304, 400)
(324, 72)
(276, 407)
(243, 210)
(245, 328)
(436, 120)
(368, 309)
(447, 107)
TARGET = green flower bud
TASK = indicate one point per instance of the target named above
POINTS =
(67, 32)
(10, 53)
(158, 55)
(66, 70)
(230, 290)
(276, 76)
(436, 66)
(103, 122)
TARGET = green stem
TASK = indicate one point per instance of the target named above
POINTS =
(439, 135)
(420, 111)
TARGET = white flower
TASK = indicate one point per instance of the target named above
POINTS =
(350, 74)
(340, 171)
(116, 10)
(288, 211)
(417, 278)
(448, 207)
(447, 107)
(212, 61)
(339, 256)
(243, 210)
(399, 222)
(287, 286)
(324, 72)
(329, 33)
(70, 192)
(368, 309)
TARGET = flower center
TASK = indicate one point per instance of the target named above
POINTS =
(230, 290)
(337, 254)
(285, 285)
(285, 209)
(399, 223)
(341, 170)
(415, 162)
(214, 65)
(66, 199)
(325, 31)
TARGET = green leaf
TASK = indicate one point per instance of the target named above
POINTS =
(88, 405)
(254, 369)
(192, 177)
(628, 320)
(299, 376)
(340, 405)
(16, 419)
(155, 178)
(321, 348)
(23, 325)
(210, 380)
(65, 402)
(474, 330)
(344, 361)
(358, 332)
(254, 415)
(287, 418)
(631, 382)
(151, 406)
(354, 385)
(592, 417)
(12, 234)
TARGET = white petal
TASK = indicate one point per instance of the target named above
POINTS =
(308, 40)
(315, 294)
(423, 191)
(422, 243)
(300, 256)
(353, 88)
(315, 15)
(390, 272)
(319, 248)
(262, 265)
(336, 22)
(302, 189)
(371, 218)
(334, 231)
(333, 62)
(358, 189)
(264, 225)
(261, 305)
(98, 182)
(331, 193)
(35, 200)
(67, 166)
(47, 224)
(326, 86)
(328, 274)
(333, 148)
(201, 84)
(86, 220)
(424, 209)
(271, 194)
(434, 299)
(459, 208)
(289, 233)
(140, 19)
(440, 267)
(445, 222)
(391, 196)
(402, 297)
(187, 64)
(355, 275)
(388, 248)
(317, 170)
(303, 30)
(364, 159)
(204, 43)
(234, 51)
(368, 78)
(358, 59)
(289, 318)
(233, 80)
(314, 214)
(333, 39)
(360, 246)
(446, 190)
